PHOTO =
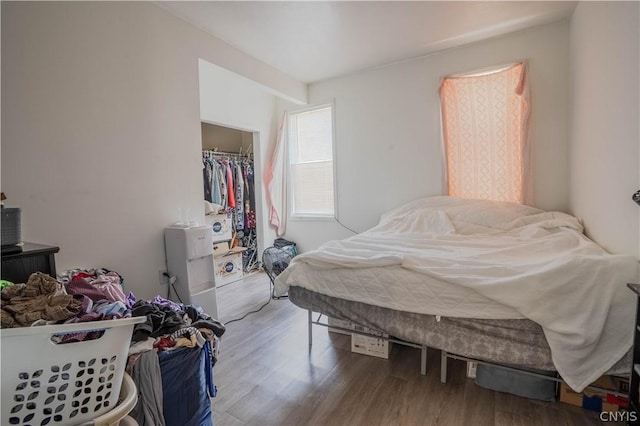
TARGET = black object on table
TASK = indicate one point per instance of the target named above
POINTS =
(17, 267)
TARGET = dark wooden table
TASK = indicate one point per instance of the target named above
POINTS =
(17, 267)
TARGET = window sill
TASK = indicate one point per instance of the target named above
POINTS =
(305, 218)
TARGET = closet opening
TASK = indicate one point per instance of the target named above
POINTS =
(229, 179)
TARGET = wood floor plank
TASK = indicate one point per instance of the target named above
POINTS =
(419, 402)
(447, 406)
(260, 398)
(547, 415)
(222, 418)
(350, 406)
(288, 382)
(385, 405)
(308, 405)
(479, 404)
(507, 418)
(508, 403)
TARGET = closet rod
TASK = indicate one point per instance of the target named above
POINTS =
(228, 154)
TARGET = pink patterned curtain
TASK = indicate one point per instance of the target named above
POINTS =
(485, 122)
(275, 183)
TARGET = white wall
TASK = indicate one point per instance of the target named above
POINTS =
(605, 140)
(388, 128)
(101, 128)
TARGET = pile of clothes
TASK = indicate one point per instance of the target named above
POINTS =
(171, 354)
(82, 295)
(163, 368)
(43, 300)
(172, 325)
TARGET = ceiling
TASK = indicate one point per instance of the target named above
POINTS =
(318, 40)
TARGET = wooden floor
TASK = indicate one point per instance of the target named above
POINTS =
(267, 375)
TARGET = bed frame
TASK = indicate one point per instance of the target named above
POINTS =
(423, 348)
(444, 357)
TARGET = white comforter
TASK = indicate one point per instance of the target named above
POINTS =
(527, 263)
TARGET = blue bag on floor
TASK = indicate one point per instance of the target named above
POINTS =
(185, 389)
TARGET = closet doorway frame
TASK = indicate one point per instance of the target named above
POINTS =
(257, 172)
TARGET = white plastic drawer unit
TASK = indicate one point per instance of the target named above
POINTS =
(189, 243)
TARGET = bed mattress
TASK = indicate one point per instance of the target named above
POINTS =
(398, 288)
(480, 259)
(519, 342)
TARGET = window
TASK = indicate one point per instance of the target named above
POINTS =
(310, 139)
(484, 123)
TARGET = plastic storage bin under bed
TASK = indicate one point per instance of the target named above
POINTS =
(44, 382)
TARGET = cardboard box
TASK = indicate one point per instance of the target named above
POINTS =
(227, 268)
(596, 400)
(339, 323)
(370, 345)
(221, 226)
(360, 344)
(220, 249)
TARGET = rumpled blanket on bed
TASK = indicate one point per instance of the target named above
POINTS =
(531, 263)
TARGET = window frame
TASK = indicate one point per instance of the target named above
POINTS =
(291, 196)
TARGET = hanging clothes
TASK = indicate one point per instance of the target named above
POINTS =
(207, 172)
(216, 196)
(239, 186)
(229, 181)
(250, 212)
(222, 181)
(231, 201)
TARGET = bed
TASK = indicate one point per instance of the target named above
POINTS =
(493, 281)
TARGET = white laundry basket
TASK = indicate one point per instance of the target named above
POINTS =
(44, 382)
(119, 415)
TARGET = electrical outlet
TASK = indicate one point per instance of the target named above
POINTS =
(162, 278)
